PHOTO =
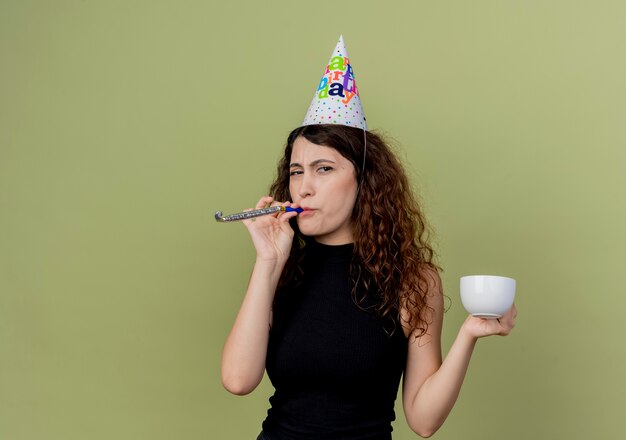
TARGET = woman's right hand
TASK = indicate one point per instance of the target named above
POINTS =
(271, 234)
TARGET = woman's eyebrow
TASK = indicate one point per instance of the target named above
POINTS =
(312, 164)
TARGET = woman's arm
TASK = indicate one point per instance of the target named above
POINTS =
(243, 357)
(431, 387)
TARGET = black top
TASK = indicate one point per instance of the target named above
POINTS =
(335, 367)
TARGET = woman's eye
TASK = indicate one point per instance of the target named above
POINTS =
(324, 169)
(295, 172)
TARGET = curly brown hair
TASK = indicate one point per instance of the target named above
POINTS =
(392, 255)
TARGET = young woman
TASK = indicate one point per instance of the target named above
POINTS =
(345, 298)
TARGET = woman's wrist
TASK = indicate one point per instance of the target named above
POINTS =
(273, 267)
(465, 335)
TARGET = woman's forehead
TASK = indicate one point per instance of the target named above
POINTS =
(305, 152)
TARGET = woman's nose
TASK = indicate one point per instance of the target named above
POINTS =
(306, 186)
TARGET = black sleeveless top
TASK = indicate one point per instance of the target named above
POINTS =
(335, 367)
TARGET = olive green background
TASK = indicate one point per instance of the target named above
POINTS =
(125, 124)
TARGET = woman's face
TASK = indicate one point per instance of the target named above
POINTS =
(323, 183)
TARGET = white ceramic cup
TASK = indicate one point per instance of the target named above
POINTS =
(487, 296)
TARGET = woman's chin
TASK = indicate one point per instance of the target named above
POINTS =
(307, 229)
(309, 232)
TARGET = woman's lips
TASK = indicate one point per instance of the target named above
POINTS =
(306, 212)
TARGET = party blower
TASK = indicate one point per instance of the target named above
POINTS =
(254, 213)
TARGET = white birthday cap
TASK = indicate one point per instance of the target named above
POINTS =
(336, 100)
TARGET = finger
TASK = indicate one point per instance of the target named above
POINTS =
(245, 222)
(277, 203)
(511, 314)
(260, 204)
(292, 204)
(285, 216)
(507, 322)
(264, 201)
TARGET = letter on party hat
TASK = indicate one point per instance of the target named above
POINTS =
(336, 99)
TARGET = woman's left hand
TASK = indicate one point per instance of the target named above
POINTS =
(481, 327)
